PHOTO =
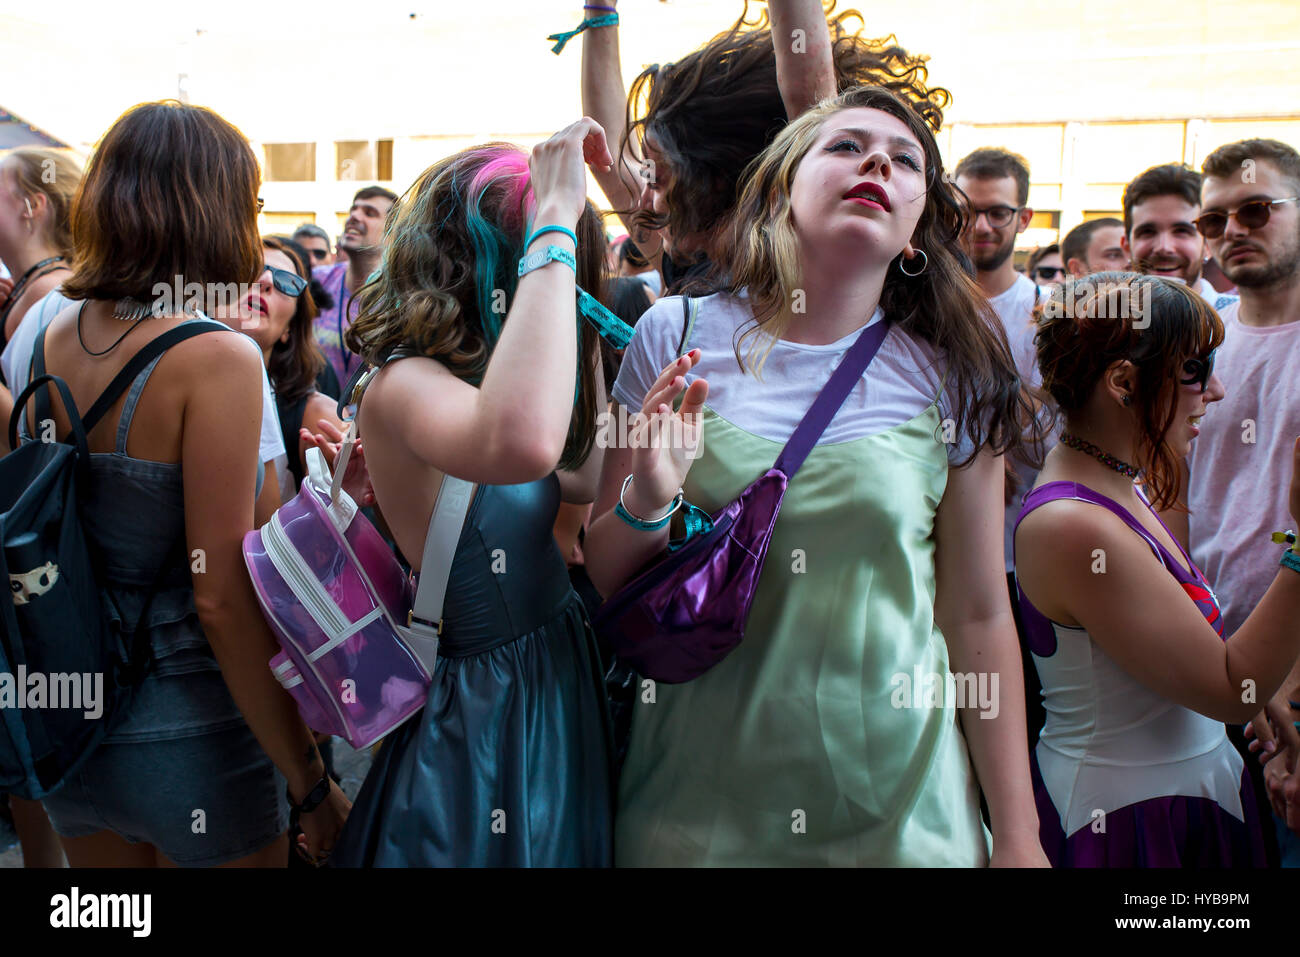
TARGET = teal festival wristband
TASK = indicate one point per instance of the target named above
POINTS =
(611, 328)
(545, 256)
(1290, 559)
(608, 20)
(551, 229)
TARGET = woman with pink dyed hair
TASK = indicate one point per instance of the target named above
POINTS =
(486, 373)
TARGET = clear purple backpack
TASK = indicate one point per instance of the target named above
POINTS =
(358, 641)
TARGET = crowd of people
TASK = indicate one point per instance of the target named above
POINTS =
(1061, 486)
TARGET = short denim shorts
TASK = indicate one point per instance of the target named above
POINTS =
(201, 796)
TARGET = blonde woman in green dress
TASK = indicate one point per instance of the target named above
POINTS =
(878, 687)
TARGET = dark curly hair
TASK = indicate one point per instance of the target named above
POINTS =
(713, 111)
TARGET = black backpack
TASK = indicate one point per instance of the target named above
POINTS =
(66, 674)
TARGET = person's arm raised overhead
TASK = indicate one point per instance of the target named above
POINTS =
(604, 99)
(805, 68)
(1144, 619)
(511, 428)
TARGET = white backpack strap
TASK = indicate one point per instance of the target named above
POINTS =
(424, 623)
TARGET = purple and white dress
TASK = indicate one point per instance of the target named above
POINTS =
(1124, 777)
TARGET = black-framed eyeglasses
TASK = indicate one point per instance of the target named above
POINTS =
(998, 216)
(1199, 370)
(1252, 215)
(289, 283)
(1048, 273)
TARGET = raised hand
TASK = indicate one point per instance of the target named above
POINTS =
(557, 171)
(665, 441)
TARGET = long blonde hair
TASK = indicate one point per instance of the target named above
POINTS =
(942, 306)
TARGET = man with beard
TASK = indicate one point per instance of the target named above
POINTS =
(363, 242)
(996, 184)
(1240, 466)
(1160, 235)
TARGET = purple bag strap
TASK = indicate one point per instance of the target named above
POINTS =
(831, 397)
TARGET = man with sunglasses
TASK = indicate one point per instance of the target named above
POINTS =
(1240, 465)
(317, 243)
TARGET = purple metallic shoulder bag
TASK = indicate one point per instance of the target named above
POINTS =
(687, 611)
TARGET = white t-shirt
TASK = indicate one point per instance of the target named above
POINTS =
(1015, 308)
(17, 361)
(902, 381)
(1241, 463)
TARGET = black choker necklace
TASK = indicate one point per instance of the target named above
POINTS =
(1105, 458)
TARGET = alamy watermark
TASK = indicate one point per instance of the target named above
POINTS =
(1086, 299)
(931, 689)
(65, 691)
(641, 431)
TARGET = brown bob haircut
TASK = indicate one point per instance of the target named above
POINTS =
(294, 365)
(171, 191)
(1087, 325)
(713, 111)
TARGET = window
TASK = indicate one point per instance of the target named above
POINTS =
(284, 223)
(363, 160)
(290, 162)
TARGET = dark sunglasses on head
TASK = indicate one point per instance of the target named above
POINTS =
(1252, 215)
(1047, 273)
(289, 283)
(998, 216)
(1199, 370)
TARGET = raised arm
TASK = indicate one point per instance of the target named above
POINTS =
(512, 428)
(805, 69)
(973, 611)
(605, 100)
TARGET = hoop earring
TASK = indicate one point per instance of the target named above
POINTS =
(925, 261)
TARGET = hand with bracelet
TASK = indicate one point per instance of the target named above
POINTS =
(318, 807)
(664, 441)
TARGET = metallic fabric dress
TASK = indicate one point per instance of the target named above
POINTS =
(509, 762)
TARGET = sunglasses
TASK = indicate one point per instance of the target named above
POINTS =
(289, 283)
(1199, 370)
(998, 216)
(318, 253)
(1251, 215)
(1047, 273)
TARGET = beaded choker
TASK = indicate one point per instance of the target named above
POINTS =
(1105, 458)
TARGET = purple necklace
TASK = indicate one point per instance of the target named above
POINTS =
(1105, 458)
